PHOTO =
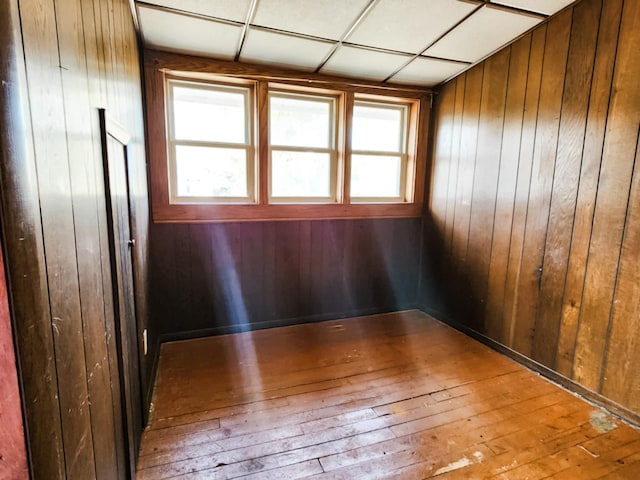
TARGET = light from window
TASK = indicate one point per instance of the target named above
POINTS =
(378, 159)
(302, 147)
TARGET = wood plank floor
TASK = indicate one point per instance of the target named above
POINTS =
(387, 396)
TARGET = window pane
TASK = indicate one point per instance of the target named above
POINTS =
(300, 174)
(375, 176)
(296, 122)
(377, 129)
(211, 172)
(209, 115)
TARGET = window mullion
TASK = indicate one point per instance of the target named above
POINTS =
(346, 164)
(263, 171)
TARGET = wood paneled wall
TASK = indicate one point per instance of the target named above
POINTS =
(60, 62)
(535, 205)
(217, 278)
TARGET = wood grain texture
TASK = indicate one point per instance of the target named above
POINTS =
(237, 276)
(588, 185)
(559, 282)
(368, 398)
(507, 182)
(610, 212)
(540, 188)
(485, 178)
(22, 239)
(566, 176)
(78, 56)
(527, 141)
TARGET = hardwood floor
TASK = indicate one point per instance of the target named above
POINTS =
(387, 396)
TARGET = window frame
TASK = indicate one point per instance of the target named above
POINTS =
(334, 99)
(161, 65)
(404, 194)
(248, 90)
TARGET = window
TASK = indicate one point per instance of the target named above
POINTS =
(378, 152)
(210, 142)
(233, 142)
(303, 157)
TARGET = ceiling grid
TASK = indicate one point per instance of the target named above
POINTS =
(410, 42)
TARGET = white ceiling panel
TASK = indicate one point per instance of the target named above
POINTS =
(283, 50)
(362, 63)
(408, 25)
(184, 34)
(482, 33)
(235, 10)
(427, 72)
(321, 18)
(548, 7)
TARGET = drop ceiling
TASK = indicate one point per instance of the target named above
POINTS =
(410, 42)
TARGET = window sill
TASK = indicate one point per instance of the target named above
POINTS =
(252, 213)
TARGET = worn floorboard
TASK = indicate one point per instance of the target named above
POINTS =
(387, 396)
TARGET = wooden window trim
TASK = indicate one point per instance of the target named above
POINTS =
(159, 64)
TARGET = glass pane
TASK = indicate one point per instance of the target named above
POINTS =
(211, 172)
(375, 176)
(296, 122)
(300, 174)
(377, 129)
(209, 115)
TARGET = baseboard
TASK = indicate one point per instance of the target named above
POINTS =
(566, 383)
(286, 322)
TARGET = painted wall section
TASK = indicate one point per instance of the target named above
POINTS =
(13, 455)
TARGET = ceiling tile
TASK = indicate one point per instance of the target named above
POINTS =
(196, 36)
(235, 10)
(484, 32)
(283, 50)
(362, 63)
(427, 72)
(321, 18)
(408, 25)
(548, 7)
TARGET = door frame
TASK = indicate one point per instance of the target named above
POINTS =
(128, 359)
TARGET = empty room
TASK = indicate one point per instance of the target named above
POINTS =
(283, 239)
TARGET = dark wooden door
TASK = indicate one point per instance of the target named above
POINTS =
(115, 154)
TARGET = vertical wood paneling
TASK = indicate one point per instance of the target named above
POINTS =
(485, 181)
(464, 188)
(588, 185)
(452, 192)
(272, 273)
(611, 205)
(527, 140)
(620, 380)
(507, 179)
(22, 239)
(544, 154)
(78, 56)
(562, 279)
(56, 204)
(565, 180)
(440, 177)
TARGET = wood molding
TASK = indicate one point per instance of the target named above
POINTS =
(160, 64)
(178, 63)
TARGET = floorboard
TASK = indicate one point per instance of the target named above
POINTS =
(397, 395)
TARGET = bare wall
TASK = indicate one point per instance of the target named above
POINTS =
(535, 200)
